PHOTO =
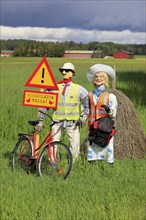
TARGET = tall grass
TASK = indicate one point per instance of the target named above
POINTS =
(92, 191)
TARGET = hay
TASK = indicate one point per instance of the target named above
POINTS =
(129, 140)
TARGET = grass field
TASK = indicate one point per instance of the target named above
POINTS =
(95, 192)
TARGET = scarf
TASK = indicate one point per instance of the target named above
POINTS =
(66, 81)
(99, 90)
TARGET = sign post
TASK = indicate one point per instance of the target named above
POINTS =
(42, 78)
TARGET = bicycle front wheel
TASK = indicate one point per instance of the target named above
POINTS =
(21, 154)
(55, 160)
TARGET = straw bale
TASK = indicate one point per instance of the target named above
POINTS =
(130, 140)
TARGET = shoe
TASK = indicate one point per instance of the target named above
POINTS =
(111, 164)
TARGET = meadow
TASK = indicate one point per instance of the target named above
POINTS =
(92, 191)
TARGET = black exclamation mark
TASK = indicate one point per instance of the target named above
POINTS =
(43, 73)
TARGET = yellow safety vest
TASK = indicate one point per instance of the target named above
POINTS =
(68, 109)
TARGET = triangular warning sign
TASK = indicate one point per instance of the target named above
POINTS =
(42, 77)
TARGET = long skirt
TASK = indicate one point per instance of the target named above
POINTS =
(96, 152)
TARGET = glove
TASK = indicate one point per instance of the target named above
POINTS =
(39, 127)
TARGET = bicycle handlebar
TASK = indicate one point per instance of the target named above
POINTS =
(34, 123)
(47, 115)
(54, 122)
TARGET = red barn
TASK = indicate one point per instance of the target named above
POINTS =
(6, 53)
(123, 55)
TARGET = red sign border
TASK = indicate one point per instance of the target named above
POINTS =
(51, 93)
(44, 60)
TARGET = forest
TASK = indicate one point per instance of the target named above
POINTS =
(32, 48)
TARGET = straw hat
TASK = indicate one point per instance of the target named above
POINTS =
(100, 68)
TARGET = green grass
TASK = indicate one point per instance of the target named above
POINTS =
(95, 191)
(91, 192)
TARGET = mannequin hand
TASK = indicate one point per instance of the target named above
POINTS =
(82, 121)
(79, 122)
(39, 127)
(111, 113)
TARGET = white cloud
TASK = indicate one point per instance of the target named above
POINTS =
(68, 34)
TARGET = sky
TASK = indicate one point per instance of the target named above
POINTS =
(118, 21)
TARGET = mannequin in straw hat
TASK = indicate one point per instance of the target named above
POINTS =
(100, 75)
(67, 112)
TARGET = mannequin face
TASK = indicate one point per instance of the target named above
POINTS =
(67, 74)
(99, 79)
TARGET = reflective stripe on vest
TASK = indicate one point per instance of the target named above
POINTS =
(98, 111)
(69, 109)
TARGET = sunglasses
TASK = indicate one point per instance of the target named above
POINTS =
(101, 77)
(66, 70)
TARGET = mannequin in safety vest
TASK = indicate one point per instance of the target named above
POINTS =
(68, 111)
(100, 75)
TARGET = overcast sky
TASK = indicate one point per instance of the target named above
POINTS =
(119, 21)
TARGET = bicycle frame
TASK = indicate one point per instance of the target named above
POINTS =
(48, 139)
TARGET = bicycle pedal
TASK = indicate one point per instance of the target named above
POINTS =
(26, 155)
(32, 158)
(32, 166)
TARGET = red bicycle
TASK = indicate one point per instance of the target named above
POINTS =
(55, 158)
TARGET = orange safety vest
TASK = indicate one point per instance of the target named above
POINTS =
(96, 111)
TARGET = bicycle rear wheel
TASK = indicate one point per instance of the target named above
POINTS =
(55, 160)
(21, 154)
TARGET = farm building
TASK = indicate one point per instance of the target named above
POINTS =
(123, 55)
(6, 53)
(81, 54)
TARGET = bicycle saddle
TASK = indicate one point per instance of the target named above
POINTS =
(33, 123)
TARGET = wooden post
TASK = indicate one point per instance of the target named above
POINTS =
(38, 134)
(114, 81)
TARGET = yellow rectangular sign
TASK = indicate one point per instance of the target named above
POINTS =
(40, 99)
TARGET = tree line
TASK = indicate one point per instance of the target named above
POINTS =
(56, 49)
